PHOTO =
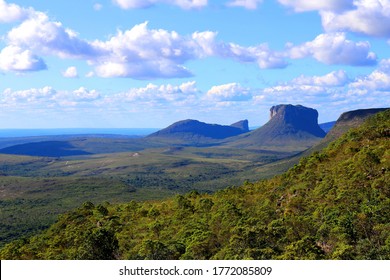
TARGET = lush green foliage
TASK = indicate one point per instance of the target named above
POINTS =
(334, 204)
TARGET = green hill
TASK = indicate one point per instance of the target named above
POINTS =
(334, 204)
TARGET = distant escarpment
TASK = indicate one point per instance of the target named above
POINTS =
(347, 121)
(289, 126)
(350, 120)
(196, 130)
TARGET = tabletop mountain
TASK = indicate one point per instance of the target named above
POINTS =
(289, 125)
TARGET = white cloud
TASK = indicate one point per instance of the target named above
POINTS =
(334, 48)
(12, 12)
(39, 34)
(144, 53)
(247, 4)
(297, 89)
(139, 52)
(83, 94)
(261, 55)
(47, 97)
(14, 58)
(368, 17)
(137, 4)
(158, 94)
(313, 5)
(228, 92)
(30, 96)
(70, 72)
(333, 79)
(378, 80)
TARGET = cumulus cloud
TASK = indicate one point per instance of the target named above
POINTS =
(139, 52)
(14, 58)
(229, 92)
(48, 97)
(297, 89)
(144, 53)
(147, 53)
(378, 80)
(12, 12)
(161, 94)
(39, 34)
(83, 94)
(335, 48)
(70, 72)
(333, 79)
(247, 4)
(261, 55)
(307, 89)
(30, 96)
(368, 17)
(137, 4)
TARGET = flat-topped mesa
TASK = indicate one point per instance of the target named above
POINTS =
(291, 128)
(298, 117)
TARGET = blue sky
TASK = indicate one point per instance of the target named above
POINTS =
(133, 63)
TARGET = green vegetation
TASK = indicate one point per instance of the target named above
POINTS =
(334, 204)
(34, 190)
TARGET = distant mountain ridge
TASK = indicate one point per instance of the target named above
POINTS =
(192, 129)
(291, 128)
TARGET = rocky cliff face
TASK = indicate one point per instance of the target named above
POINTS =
(298, 117)
(290, 127)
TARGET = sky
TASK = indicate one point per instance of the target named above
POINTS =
(147, 64)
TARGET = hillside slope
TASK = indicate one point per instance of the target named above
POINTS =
(334, 204)
(345, 122)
